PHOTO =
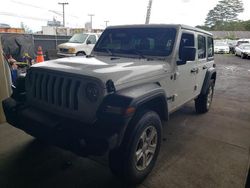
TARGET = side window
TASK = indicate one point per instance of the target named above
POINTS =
(201, 47)
(187, 39)
(92, 39)
(210, 47)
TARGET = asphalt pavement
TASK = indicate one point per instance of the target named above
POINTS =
(208, 150)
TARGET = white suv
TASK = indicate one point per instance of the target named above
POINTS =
(79, 44)
(115, 99)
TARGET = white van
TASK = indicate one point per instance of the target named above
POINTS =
(79, 44)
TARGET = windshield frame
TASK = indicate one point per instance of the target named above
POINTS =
(131, 51)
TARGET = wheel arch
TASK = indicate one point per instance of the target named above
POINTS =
(211, 74)
(151, 97)
(81, 52)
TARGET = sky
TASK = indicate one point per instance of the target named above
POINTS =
(35, 14)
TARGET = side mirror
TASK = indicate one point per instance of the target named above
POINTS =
(88, 42)
(188, 54)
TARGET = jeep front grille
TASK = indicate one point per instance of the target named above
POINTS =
(62, 93)
(55, 90)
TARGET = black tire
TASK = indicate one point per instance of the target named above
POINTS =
(123, 162)
(80, 54)
(243, 56)
(204, 101)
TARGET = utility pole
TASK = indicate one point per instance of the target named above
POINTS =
(63, 4)
(106, 23)
(91, 21)
(148, 11)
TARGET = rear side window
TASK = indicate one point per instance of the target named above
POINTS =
(92, 39)
(210, 47)
(201, 47)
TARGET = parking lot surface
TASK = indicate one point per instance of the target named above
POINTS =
(209, 150)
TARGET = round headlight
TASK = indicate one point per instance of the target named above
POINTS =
(92, 92)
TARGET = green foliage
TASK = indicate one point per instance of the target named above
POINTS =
(225, 11)
(228, 26)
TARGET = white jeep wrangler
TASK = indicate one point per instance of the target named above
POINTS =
(115, 99)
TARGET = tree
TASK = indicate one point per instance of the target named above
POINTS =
(224, 11)
(26, 28)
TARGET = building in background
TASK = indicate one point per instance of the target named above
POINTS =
(54, 23)
(5, 28)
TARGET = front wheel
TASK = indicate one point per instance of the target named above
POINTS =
(137, 155)
(80, 54)
(243, 56)
(204, 101)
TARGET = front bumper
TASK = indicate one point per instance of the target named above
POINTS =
(221, 51)
(69, 134)
(246, 54)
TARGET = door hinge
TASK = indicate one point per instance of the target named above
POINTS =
(195, 87)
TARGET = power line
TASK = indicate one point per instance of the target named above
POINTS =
(22, 16)
(27, 4)
(43, 8)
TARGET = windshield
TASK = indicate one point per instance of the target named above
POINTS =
(78, 38)
(221, 44)
(246, 47)
(137, 41)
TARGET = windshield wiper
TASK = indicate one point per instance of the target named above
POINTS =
(137, 52)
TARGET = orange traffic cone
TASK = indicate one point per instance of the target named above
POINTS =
(39, 57)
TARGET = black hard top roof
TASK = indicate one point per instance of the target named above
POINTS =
(181, 26)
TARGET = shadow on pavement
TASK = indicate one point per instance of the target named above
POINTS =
(40, 165)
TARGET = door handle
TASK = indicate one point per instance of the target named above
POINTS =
(194, 70)
(204, 67)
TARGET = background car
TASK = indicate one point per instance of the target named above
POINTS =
(79, 44)
(221, 48)
(243, 50)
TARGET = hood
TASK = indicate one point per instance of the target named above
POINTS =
(123, 72)
(69, 45)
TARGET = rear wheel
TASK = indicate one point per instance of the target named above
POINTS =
(204, 101)
(136, 157)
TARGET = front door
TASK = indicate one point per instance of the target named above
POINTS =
(186, 72)
(90, 44)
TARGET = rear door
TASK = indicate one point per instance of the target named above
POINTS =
(205, 60)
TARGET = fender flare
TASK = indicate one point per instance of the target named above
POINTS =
(138, 96)
(211, 74)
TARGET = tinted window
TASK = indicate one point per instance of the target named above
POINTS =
(137, 41)
(210, 47)
(187, 40)
(201, 47)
